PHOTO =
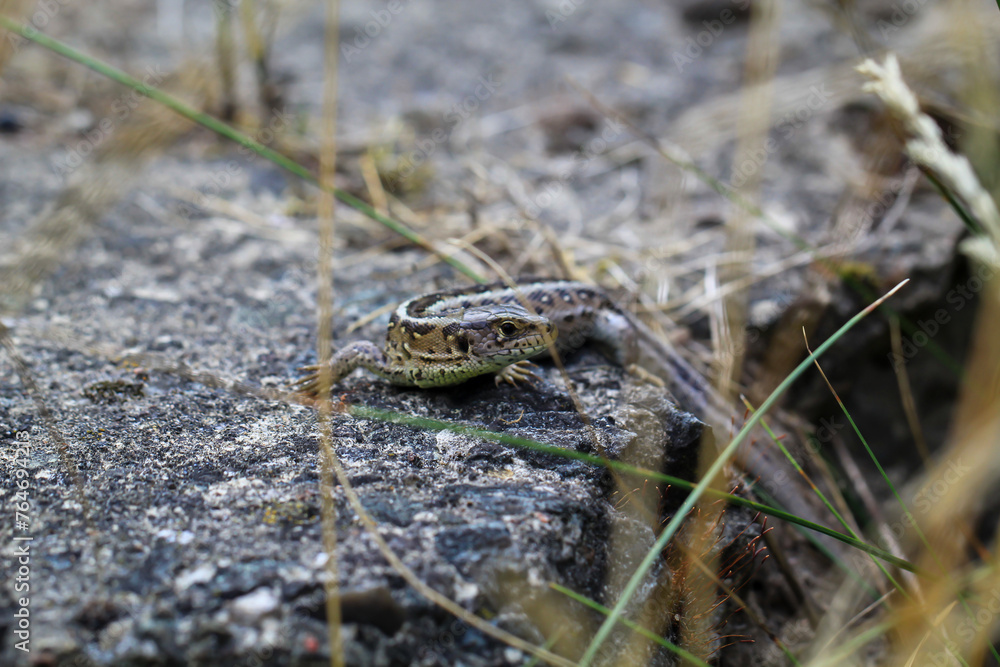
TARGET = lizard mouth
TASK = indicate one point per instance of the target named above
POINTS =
(538, 342)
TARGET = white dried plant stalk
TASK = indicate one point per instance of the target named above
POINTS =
(926, 147)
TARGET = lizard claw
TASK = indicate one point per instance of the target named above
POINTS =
(521, 371)
(308, 384)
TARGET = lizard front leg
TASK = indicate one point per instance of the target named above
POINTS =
(519, 372)
(362, 354)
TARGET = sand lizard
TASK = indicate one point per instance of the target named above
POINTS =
(448, 337)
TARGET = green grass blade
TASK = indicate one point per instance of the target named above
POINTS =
(970, 223)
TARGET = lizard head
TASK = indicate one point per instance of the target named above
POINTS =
(503, 334)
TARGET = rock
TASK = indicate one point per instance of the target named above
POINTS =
(249, 609)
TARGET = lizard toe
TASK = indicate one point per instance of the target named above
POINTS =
(308, 384)
(516, 373)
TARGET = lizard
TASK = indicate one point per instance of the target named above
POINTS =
(448, 337)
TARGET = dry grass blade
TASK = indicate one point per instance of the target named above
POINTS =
(967, 470)
(761, 61)
(328, 457)
(906, 393)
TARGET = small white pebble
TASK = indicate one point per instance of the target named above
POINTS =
(250, 607)
(513, 655)
(199, 575)
(466, 591)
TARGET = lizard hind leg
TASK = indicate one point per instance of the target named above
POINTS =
(361, 354)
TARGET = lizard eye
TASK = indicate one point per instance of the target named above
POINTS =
(507, 329)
